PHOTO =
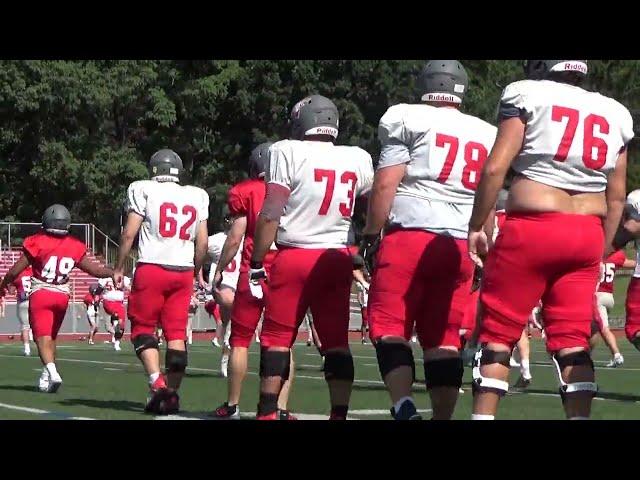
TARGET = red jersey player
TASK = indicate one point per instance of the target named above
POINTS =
(245, 201)
(169, 221)
(92, 301)
(567, 148)
(22, 286)
(312, 186)
(52, 254)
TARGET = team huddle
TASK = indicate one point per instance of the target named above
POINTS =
(474, 236)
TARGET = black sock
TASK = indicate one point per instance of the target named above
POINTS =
(339, 411)
(268, 403)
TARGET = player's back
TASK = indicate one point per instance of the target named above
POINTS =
(447, 149)
(444, 151)
(573, 136)
(172, 213)
(324, 180)
(52, 258)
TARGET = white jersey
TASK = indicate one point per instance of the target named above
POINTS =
(632, 209)
(324, 180)
(172, 213)
(111, 293)
(444, 151)
(232, 272)
(573, 137)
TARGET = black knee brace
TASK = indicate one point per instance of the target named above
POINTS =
(443, 372)
(274, 363)
(143, 342)
(394, 355)
(176, 360)
(486, 384)
(573, 360)
(338, 366)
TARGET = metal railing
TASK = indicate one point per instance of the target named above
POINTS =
(12, 234)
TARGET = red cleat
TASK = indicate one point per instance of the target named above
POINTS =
(271, 416)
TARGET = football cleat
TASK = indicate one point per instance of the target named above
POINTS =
(43, 381)
(215, 342)
(271, 416)
(227, 412)
(616, 361)
(407, 412)
(118, 330)
(54, 382)
(523, 382)
(286, 415)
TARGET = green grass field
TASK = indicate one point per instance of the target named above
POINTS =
(102, 384)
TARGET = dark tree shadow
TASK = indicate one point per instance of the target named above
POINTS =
(123, 405)
(24, 388)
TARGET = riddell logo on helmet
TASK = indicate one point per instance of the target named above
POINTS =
(575, 67)
(441, 97)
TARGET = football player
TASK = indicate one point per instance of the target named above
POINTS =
(429, 168)
(113, 304)
(92, 301)
(360, 277)
(225, 293)
(52, 254)
(605, 303)
(628, 230)
(566, 149)
(245, 202)
(22, 286)
(312, 186)
(169, 220)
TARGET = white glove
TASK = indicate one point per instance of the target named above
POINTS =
(257, 275)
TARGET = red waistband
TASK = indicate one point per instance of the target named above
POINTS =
(554, 216)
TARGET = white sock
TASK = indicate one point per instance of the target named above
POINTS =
(617, 356)
(27, 348)
(399, 403)
(116, 343)
(153, 377)
(479, 416)
(113, 338)
(524, 368)
(51, 368)
(579, 418)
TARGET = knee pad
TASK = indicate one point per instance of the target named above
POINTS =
(176, 361)
(394, 355)
(571, 360)
(274, 363)
(482, 384)
(338, 366)
(443, 372)
(635, 341)
(143, 342)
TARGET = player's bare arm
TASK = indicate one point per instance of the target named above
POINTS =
(507, 146)
(129, 233)
(616, 196)
(200, 251)
(266, 230)
(14, 271)
(231, 246)
(358, 276)
(94, 270)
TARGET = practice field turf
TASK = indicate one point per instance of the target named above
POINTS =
(102, 384)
